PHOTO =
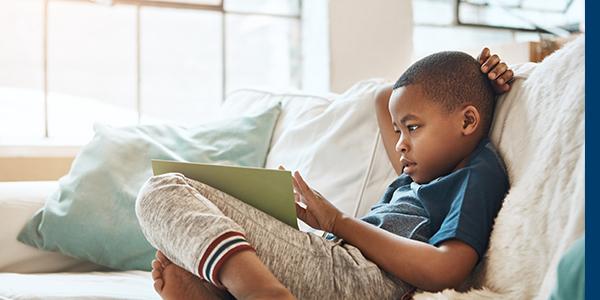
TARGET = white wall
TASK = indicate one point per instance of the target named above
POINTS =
(363, 39)
(315, 46)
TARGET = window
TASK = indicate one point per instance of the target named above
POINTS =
(65, 64)
(468, 25)
(557, 17)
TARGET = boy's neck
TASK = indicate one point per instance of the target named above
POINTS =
(470, 147)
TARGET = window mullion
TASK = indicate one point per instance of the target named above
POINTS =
(45, 62)
(223, 55)
(138, 63)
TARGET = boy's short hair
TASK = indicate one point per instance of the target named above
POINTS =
(452, 78)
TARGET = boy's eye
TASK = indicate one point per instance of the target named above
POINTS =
(412, 127)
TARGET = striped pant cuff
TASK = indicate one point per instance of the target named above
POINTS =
(218, 252)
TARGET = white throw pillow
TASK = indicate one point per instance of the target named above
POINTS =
(332, 140)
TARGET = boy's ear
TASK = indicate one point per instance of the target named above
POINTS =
(470, 119)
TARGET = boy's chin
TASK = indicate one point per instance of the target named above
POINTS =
(419, 179)
(415, 178)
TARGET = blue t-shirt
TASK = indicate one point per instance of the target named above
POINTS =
(461, 205)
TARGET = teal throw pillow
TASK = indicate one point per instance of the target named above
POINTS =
(91, 215)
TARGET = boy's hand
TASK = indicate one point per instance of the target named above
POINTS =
(498, 72)
(312, 207)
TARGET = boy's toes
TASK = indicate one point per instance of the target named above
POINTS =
(156, 274)
(156, 265)
(162, 258)
(158, 285)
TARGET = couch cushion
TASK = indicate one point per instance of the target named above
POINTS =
(90, 286)
(18, 202)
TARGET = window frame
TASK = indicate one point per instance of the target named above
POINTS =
(139, 4)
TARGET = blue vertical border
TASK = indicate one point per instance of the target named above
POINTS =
(592, 169)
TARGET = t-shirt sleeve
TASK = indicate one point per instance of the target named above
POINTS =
(472, 212)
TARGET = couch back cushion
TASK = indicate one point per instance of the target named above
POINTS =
(332, 140)
(539, 131)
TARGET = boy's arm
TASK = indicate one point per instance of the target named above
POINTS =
(384, 120)
(423, 265)
(420, 264)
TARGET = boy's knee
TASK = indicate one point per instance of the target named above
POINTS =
(147, 197)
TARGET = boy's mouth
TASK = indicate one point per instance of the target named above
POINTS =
(408, 166)
(409, 169)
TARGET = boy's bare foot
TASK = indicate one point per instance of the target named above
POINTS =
(172, 282)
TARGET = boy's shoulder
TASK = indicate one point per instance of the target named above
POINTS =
(486, 161)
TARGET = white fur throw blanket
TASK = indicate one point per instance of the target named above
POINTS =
(539, 131)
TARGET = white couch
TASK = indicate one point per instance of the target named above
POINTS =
(334, 141)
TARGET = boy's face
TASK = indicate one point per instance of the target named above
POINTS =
(430, 138)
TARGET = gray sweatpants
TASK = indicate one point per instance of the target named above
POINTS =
(198, 227)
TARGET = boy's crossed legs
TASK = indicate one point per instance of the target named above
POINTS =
(208, 233)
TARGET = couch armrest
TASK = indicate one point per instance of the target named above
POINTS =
(18, 202)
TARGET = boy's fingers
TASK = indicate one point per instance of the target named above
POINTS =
(490, 63)
(498, 70)
(300, 211)
(297, 197)
(305, 190)
(506, 77)
(297, 190)
(295, 183)
(299, 180)
(483, 56)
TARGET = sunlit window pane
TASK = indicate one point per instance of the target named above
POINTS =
(91, 67)
(21, 69)
(439, 12)
(21, 114)
(527, 14)
(284, 7)
(181, 65)
(456, 38)
(485, 15)
(557, 5)
(547, 5)
(210, 2)
(94, 73)
(262, 51)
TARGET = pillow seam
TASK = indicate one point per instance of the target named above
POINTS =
(367, 175)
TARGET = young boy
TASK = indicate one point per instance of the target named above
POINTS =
(429, 230)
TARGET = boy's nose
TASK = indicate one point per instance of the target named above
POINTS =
(401, 146)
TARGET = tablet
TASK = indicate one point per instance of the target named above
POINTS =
(269, 190)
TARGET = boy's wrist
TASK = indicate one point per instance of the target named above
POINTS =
(339, 223)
